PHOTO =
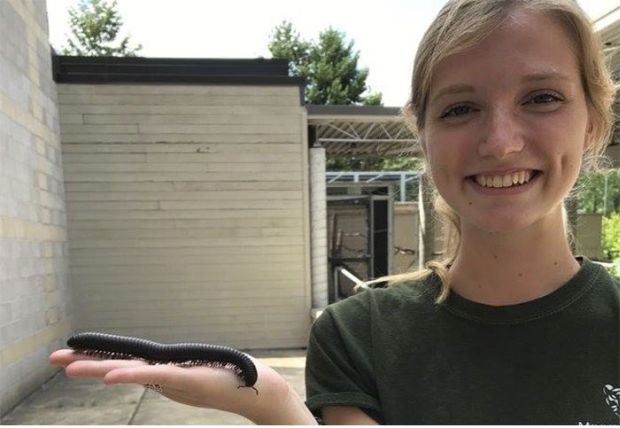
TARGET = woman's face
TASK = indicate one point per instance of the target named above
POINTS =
(507, 124)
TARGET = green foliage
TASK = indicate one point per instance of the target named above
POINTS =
(614, 270)
(611, 236)
(286, 44)
(374, 164)
(95, 25)
(591, 192)
(329, 66)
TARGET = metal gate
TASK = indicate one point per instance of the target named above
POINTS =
(360, 219)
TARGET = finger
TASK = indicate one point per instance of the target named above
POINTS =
(146, 374)
(64, 357)
(99, 368)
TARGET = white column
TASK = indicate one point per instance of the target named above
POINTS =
(318, 227)
(426, 231)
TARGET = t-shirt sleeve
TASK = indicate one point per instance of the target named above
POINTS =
(339, 366)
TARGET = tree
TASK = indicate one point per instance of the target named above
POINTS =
(374, 164)
(286, 44)
(95, 26)
(329, 66)
(599, 192)
(611, 237)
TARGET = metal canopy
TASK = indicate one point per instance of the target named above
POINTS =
(383, 177)
(608, 27)
(362, 131)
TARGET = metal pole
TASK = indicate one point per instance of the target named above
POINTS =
(605, 196)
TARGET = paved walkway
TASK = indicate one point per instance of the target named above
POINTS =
(63, 401)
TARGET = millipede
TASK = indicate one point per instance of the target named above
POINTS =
(111, 346)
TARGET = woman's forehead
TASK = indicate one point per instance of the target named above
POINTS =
(528, 46)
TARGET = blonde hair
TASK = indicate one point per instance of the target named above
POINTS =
(460, 25)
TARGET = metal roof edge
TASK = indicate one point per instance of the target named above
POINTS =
(332, 111)
(104, 70)
(607, 20)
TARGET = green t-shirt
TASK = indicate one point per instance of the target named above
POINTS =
(403, 359)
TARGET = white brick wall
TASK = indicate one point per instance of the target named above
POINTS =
(35, 309)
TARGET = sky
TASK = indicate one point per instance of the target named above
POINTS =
(386, 33)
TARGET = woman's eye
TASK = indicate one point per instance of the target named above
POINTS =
(543, 99)
(458, 110)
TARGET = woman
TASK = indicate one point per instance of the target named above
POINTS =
(510, 98)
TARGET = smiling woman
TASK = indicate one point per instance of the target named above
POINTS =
(543, 85)
(510, 99)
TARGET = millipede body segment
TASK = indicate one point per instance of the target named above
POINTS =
(111, 346)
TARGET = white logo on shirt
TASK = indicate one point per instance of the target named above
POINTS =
(612, 397)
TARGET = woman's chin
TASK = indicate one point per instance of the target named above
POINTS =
(501, 224)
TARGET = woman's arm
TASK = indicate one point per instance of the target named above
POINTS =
(345, 415)
(216, 388)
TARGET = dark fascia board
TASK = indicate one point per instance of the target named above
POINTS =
(351, 110)
(260, 71)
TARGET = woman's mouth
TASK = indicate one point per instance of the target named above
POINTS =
(494, 183)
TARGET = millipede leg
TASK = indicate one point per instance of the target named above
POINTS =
(243, 386)
(153, 386)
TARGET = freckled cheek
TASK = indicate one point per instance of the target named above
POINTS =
(561, 149)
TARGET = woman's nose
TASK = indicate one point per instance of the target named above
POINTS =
(501, 135)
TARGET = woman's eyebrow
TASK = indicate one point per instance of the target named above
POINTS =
(458, 88)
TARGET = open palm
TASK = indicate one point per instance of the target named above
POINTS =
(216, 388)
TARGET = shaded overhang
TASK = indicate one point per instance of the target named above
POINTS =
(361, 131)
(608, 28)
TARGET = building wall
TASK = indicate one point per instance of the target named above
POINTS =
(35, 309)
(188, 212)
(406, 225)
(588, 236)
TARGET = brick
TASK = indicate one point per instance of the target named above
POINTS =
(40, 144)
(9, 333)
(50, 283)
(6, 313)
(46, 216)
(29, 147)
(52, 316)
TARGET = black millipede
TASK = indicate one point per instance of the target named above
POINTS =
(111, 346)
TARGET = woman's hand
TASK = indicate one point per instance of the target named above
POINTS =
(276, 402)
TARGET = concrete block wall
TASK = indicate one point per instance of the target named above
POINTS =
(35, 309)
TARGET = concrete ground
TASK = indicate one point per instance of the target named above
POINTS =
(63, 401)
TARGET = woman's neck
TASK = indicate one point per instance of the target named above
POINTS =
(505, 268)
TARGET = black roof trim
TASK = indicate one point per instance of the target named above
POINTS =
(77, 69)
(353, 110)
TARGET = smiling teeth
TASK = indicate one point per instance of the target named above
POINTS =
(507, 180)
